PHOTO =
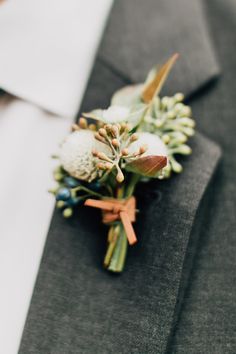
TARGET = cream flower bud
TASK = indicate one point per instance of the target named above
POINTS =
(155, 145)
(76, 154)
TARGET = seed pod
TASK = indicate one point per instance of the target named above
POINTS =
(114, 130)
(74, 127)
(109, 165)
(128, 127)
(95, 152)
(136, 153)
(115, 143)
(98, 137)
(103, 156)
(92, 127)
(125, 152)
(102, 132)
(143, 149)
(101, 166)
(134, 137)
(123, 127)
(83, 123)
(118, 126)
(120, 177)
(108, 128)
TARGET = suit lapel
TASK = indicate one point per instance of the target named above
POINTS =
(141, 34)
(76, 306)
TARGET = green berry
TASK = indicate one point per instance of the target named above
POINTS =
(67, 213)
(179, 97)
(176, 167)
(60, 204)
(58, 176)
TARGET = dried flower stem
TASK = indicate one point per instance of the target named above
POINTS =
(117, 240)
(112, 239)
(89, 191)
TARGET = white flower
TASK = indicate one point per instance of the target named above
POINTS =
(76, 155)
(153, 142)
(115, 114)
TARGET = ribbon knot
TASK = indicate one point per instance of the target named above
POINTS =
(115, 209)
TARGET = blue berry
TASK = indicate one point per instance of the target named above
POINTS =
(95, 186)
(63, 194)
(73, 201)
(71, 182)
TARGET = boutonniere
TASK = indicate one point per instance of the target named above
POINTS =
(110, 151)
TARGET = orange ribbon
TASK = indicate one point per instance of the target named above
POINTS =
(115, 209)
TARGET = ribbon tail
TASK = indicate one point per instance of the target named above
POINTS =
(100, 204)
(128, 228)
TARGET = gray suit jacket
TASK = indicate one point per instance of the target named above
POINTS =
(79, 308)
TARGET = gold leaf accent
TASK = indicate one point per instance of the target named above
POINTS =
(155, 86)
(148, 165)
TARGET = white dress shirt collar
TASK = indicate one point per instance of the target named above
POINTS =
(47, 48)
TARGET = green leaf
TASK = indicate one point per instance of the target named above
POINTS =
(148, 166)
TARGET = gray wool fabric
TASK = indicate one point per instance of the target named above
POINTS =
(77, 307)
(142, 34)
(208, 317)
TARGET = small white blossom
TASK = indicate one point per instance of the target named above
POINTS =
(115, 114)
(76, 155)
